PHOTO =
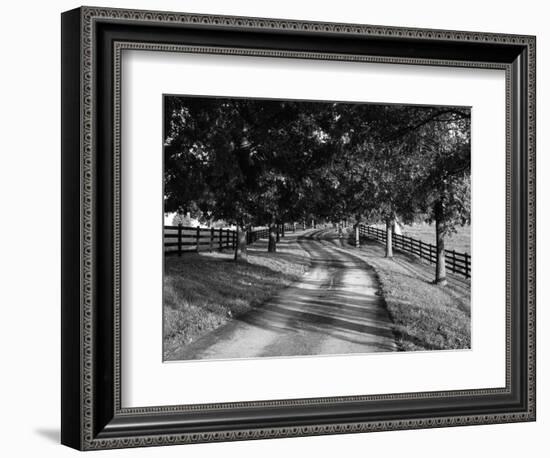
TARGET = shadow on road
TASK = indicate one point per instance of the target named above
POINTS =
(329, 306)
(343, 318)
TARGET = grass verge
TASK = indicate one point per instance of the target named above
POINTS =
(203, 291)
(425, 316)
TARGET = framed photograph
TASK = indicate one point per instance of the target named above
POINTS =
(276, 228)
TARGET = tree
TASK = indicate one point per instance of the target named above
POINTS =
(380, 167)
(432, 147)
(264, 162)
(241, 160)
(445, 187)
(398, 163)
(208, 161)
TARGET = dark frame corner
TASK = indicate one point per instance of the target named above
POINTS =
(92, 39)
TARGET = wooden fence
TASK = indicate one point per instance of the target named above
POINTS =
(182, 239)
(455, 262)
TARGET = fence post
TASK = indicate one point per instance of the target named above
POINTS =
(220, 239)
(179, 239)
(357, 243)
(227, 239)
(211, 238)
(467, 264)
(198, 237)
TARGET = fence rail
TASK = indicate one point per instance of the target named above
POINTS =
(459, 263)
(184, 239)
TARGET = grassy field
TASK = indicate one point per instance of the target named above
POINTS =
(204, 291)
(460, 242)
(425, 316)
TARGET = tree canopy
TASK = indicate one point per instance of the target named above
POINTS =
(262, 161)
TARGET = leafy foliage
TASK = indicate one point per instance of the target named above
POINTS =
(257, 162)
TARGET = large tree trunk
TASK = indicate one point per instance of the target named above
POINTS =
(240, 247)
(440, 270)
(389, 237)
(272, 242)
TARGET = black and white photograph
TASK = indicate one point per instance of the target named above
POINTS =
(296, 228)
(242, 229)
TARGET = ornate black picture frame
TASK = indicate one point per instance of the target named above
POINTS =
(92, 42)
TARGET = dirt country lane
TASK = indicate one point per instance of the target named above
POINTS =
(333, 309)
